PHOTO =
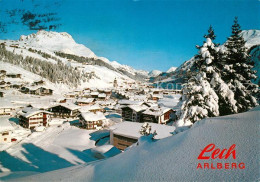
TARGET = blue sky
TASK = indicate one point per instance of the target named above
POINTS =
(145, 34)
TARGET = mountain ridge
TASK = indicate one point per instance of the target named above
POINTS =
(45, 45)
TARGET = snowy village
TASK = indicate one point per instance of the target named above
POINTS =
(67, 114)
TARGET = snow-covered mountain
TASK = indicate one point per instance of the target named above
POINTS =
(252, 38)
(171, 69)
(154, 73)
(45, 45)
(54, 41)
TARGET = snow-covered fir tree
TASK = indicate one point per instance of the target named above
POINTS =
(206, 94)
(145, 129)
(221, 83)
(200, 99)
(237, 72)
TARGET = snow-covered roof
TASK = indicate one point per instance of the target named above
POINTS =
(5, 125)
(156, 110)
(131, 129)
(138, 108)
(94, 93)
(86, 100)
(40, 105)
(157, 95)
(90, 116)
(29, 111)
(67, 105)
(139, 97)
(89, 108)
(102, 95)
(130, 102)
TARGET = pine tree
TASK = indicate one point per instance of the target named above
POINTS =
(206, 94)
(200, 99)
(238, 71)
(210, 34)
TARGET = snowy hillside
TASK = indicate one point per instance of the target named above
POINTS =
(54, 46)
(175, 158)
(154, 73)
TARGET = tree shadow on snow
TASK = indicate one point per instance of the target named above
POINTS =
(40, 161)
(86, 155)
(97, 135)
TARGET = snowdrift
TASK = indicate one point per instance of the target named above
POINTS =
(175, 158)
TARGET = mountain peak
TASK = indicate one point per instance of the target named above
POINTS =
(42, 34)
(252, 37)
(154, 73)
(56, 41)
(172, 69)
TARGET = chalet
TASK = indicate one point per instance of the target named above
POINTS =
(94, 94)
(125, 134)
(6, 111)
(3, 72)
(133, 112)
(62, 100)
(14, 45)
(2, 82)
(108, 92)
(13, 75)
(64, 110)
(78, 92)
(92, 120)
(157, 114)
(101, 96)
(157, 91)
(5, 130)
(16, 85)
(40, 91)
(2, 76)
(85, 102)
(36, 90)
(86, 94)
(32, 117)
(44, 91)
(71, 95)
(39, 82)
(5, 87)
(156, 97)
